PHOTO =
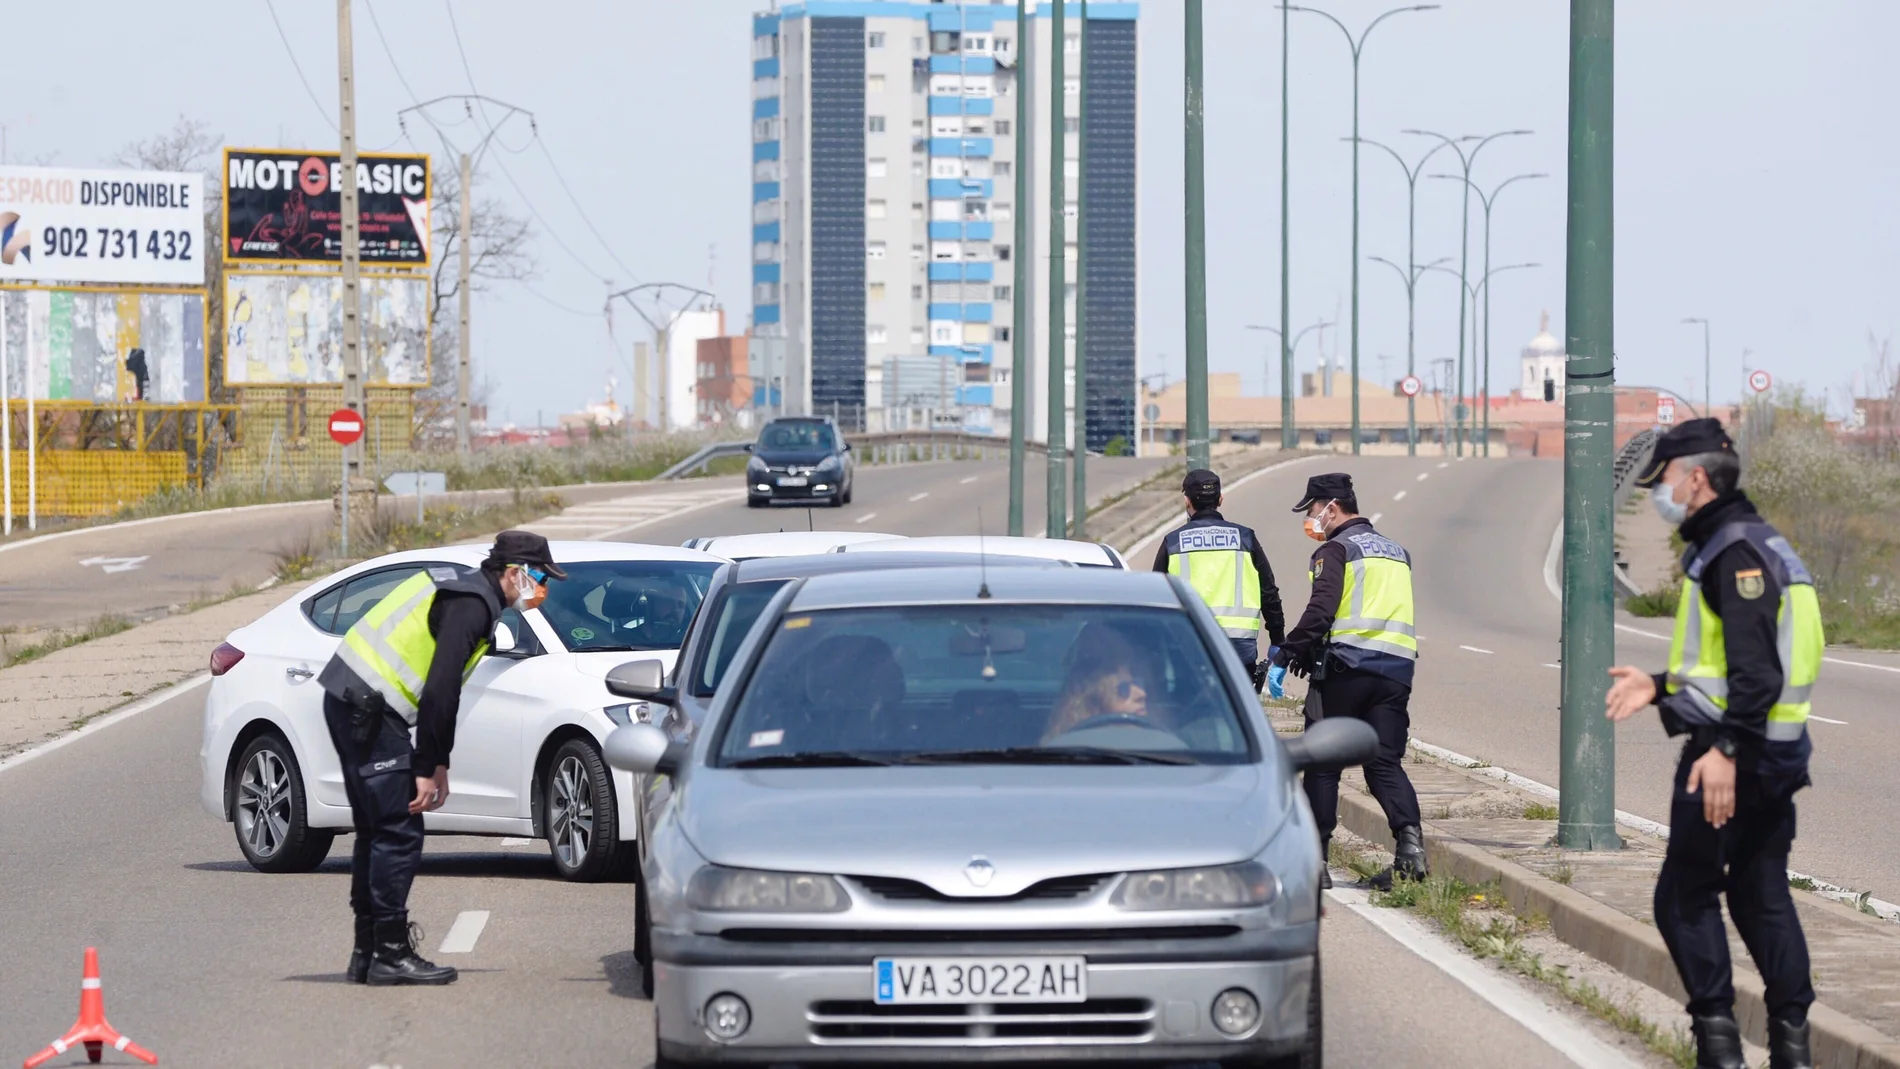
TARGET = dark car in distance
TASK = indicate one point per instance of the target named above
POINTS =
(799, 458)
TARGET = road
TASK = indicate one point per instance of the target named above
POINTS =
(1479, 532)
(211, 964)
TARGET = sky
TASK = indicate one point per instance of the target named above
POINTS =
(1755, 165)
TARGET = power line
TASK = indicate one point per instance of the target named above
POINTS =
(281, 36)
(547, 300)
(532, 210)
(387, 51)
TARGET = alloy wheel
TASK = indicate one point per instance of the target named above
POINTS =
(572, 819)
(263, 804)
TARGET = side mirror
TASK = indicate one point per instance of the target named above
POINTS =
(643, 749)
(847, 447)
(1334, 743)
(504, 641)
(643, 681)
(748, 447)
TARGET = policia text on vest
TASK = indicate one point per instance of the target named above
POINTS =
(1743, 662)
(1224, 564)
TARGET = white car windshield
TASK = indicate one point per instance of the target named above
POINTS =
(982, 684)
(626, 605)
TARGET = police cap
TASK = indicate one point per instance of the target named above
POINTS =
(525, 547)
(1693, 438)
(1333, 486)
(1201, 483)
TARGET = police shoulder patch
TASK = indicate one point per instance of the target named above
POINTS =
(1749, 584)
(1319, 564)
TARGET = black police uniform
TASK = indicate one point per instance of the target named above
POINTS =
(1746, 858)
(1200, 486)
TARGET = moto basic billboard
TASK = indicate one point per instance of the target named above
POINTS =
(284, 206)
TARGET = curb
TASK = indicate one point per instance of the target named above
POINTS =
(1624, 943)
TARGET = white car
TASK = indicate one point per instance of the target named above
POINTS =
(782, 543)
(527, 741)
(1086, 554)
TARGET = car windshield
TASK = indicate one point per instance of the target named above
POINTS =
(800, 435)
(735, 612)
(985, 684)
(626, 605)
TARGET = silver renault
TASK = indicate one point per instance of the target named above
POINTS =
(956, 815)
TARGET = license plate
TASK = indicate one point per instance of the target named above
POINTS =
(925, 981)
(793, 480)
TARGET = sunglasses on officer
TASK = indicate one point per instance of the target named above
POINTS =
(540, 577)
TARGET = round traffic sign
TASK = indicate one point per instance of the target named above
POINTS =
(346, 426)
(1151, 412)
(1759, 381)
(1410, 386)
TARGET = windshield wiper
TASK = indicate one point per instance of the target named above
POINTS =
(1047, 755)
(814, 759)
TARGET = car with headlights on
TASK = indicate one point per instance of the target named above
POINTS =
(972, 814)
(799, 458)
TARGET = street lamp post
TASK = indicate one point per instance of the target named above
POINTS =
(1466, 160)
(1194, 174)
(1411, 278)
(1708, 401)
(1287, 350)
(1079, 456)
(1357, 45)
(1471, 289)
(1289, 436)
(1488, 201)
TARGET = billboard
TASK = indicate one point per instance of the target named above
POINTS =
(68, 224)
(285, 206)
(287, 330)
(104, 346)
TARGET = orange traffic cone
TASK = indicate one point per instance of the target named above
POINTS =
(92, 1029)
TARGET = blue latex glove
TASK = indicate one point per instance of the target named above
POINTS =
(1276, 681)
(1276, 655)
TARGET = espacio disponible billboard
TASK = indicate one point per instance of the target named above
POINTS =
(284, 206)
(68, 224)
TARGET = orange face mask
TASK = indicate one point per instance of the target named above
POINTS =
(1316, 526)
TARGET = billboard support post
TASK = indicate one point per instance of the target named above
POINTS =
(461, 328)
(32, 439)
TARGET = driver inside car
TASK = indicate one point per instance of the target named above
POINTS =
(1109, 678)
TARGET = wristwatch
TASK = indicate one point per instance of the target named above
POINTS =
(1725, 745)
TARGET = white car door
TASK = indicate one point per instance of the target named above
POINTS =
(485, 769)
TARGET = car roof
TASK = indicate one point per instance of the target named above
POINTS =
(780, 543)
(945, 586)
(473, 553)
(1000, 545)
(773, 568)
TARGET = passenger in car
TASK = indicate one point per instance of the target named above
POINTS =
(1110, 676)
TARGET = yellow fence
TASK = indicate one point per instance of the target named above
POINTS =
(286, 435)
(94, 482)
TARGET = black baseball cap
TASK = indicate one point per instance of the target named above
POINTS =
(525, 547)
(1201, 483)
(1329, 487)
(1693, 438)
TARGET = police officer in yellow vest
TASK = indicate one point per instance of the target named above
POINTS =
(1225, 565)
(1742, 666)
(402, 665)
(1357, 643)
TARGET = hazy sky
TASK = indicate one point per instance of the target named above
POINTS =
(1756, 167)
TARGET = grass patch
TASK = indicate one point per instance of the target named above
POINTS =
(1540, 811)
(111, 624)
(1563, 873)
(448, 524)
(1801, 883)
(1659, 600)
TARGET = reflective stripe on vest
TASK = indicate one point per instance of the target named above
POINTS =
(1223, 575)
(390, 647)
(1698, 654)
(1375, 606)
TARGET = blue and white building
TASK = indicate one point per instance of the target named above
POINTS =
(884, 159)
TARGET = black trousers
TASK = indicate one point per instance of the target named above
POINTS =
(379, 782)
(1248, 649)
(1747, 859)
(1383, 703)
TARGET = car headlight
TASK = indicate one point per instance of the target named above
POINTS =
(828, 464)
(626, 714)
(1241, 886)
(721, 890)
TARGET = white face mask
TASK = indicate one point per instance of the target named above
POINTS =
(1664, 498)
(525, 591)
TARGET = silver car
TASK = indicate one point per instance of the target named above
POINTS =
(957, 815)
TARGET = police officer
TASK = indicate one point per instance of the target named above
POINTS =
(1225, 565)
(1746, 652)
(402, 665)
(1356, 641)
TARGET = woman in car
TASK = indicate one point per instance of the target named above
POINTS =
(1110, 677)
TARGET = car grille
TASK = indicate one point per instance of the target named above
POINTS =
(1058, 888)
(1101, 1020)
(887, 936)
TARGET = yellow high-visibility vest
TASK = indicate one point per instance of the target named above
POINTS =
(1214, 559)
(390, 647)
(1376, 612)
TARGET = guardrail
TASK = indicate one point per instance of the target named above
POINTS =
(884, 447)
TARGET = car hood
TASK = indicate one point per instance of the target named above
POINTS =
(597, 665)
(1030, 822)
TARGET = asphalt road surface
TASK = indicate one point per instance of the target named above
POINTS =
(1479, 532)
(209, 963)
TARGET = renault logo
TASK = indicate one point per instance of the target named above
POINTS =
(979, 870)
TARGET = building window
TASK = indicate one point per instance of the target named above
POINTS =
(874, 334)
(765, 47)
(916, 128)
(999, 293)
(1002, 334)
(874, 209)
(765, 171)
(977, 128)
(765, 130)
(765, 211)
(1002, 254)
(1002, 128)
(916, 293)
(1072, 85)
(1001, 213)
(943, 332)
(765, 293)
(1071, 125)
(1002, 168)
(917, 167)
(875, 168)
(1072, 44)
(916, 252)
(874, 83)
(1004, 46)
(874, 250)
(1068, 332)
(916, 335)
(874, 40)
(874, 291)
(874, 124)
(946, 251)
(765, 252)
(916, 209)
(917, 45)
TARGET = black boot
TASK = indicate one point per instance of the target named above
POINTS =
(1325, 864)
(358, 971)
(1788, 1045)
(1718, 1043)
(1408, 857)
(395, 960)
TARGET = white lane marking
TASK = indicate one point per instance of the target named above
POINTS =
(1552, 664)
(966, 480)
(1825, 720)
(1376, 517)
(514, 840)
(866, 518)
(1400, 496)
(1545, 1021)
(109, 565)
(669, 511)
(1550, 563)
(1424, 475)
(156, 699)
(464, 932)
(1475, 649)
(1174, 521)
(920, 495)
(1446, 465)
